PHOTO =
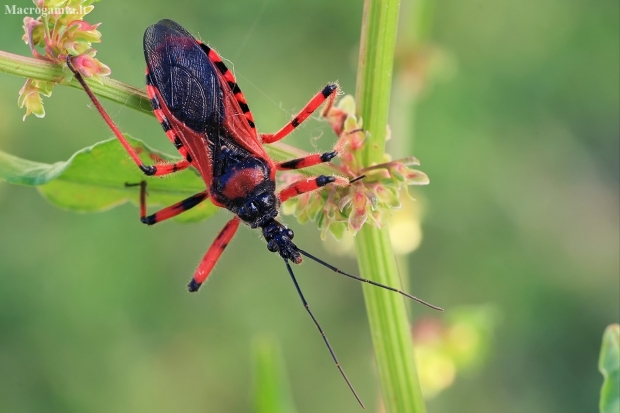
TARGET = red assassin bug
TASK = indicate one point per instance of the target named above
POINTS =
(204, 114)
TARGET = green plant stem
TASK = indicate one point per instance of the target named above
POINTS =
(387, 313)
(111, 89)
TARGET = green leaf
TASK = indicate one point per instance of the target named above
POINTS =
(271, 393)
(94, 179)
(609, 366)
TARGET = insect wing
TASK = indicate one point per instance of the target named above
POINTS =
(200, 93)
(239, 120)
(186, 80)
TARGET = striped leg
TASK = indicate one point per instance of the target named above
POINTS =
(150, 170)
(307, 161)
(328, 93)
(214, 253)
(310, 184)
(169, 168)
(169, 212)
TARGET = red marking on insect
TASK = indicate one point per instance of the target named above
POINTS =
(205, 115)
(242, 182)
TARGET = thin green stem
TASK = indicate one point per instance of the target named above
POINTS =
(387, 312)
(111, 89)
(375, 66)
(46, 27)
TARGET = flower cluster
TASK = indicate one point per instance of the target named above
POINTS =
(337, 209)
(60, 31)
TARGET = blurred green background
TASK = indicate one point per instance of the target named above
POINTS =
(520, 144)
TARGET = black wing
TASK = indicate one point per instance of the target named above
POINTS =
(185, 77)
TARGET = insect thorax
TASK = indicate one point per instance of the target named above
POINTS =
(242, 184)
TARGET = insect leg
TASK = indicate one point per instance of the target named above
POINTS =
(307, 161)
(170, 168)
(310, 184)
(150, 170)
(168, 212)
(328, 93)
(214, 253)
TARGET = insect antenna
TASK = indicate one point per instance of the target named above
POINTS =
(329, 347)
(357, 179)
(331, 267)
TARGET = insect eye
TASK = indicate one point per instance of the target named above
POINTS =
(290, 234)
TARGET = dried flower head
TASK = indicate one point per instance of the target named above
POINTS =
(337, 209)
(60, 31)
